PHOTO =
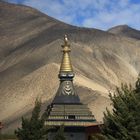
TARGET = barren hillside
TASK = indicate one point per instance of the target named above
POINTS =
(30, 55)
(125, 30)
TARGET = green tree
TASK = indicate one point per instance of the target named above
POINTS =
(33, 128)
(137, 112)
(60, 134)
(123, 123)
(97, 137)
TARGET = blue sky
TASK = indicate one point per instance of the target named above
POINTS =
(101, 14)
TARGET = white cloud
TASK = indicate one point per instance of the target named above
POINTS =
(122, 13)
(101, 14)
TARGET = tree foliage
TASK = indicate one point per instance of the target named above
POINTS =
(33, 128)
(123, 123)
(97, 136)
(60, 134)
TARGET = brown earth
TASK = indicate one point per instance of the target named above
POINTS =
(30, 57)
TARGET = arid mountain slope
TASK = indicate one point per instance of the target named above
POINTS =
(30, 55)
(125, 30)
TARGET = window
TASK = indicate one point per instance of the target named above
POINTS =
(72, 117)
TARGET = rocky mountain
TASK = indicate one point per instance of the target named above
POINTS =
(30, 56)
(125, 30)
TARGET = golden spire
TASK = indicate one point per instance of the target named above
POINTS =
(66, 62)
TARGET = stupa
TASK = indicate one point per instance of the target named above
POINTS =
(66, 108)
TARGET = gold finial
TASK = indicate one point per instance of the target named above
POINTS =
(66, 39)
(66, 62)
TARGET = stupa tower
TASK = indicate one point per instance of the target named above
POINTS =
(66, 93)
(66, 108)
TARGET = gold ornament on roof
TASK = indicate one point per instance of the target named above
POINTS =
(66, 62)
